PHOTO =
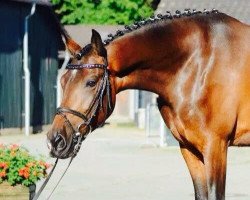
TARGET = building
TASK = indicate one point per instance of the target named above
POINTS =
(44, 42)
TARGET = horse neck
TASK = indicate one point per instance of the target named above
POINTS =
(147, 59)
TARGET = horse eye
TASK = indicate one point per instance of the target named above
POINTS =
(91, 83)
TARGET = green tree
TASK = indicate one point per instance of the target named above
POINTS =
(102, 11)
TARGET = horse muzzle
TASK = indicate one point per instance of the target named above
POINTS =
(59, 146)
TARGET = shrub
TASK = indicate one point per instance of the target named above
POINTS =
(17, 166)
(102, 11)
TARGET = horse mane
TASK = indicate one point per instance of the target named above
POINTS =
(155, 19)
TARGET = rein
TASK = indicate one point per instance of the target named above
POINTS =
(87, 118)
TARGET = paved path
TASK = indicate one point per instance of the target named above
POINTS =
(119, 163)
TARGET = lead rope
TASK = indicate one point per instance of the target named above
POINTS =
(71, 159)
(48, 178)
(45, 182)
(77, 148)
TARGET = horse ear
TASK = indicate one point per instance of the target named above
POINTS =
(96, 42)
(72, 46)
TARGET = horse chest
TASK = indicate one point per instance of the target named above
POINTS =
(183, 123)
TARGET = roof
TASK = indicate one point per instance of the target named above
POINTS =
(82, 33)
(238, 9)
(40, 2)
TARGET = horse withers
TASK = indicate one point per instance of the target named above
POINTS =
(197, 62)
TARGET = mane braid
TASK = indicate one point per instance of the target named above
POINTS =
(154, 19)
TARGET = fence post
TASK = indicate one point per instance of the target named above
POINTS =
(163, 134)
(147, 120)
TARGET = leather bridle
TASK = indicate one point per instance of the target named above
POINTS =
(87, 117)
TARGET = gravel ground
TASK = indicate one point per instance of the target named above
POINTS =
(120, 163)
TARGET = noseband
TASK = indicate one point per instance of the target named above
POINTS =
(96, 103)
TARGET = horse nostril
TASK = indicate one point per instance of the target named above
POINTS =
(60, 142)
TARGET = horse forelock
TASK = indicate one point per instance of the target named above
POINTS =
(155, 19)
(84, 51)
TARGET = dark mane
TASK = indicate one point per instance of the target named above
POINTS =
(85, 50)
(154, 19)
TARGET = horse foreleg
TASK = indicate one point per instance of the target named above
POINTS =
(215, 159)
(196, 168)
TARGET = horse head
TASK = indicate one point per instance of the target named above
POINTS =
(88, 97)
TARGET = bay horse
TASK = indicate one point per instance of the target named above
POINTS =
(199, 65)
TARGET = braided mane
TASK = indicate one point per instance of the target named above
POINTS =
(154, 19)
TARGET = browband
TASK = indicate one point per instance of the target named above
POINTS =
(87, 66)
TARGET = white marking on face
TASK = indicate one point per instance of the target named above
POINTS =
(73, 73)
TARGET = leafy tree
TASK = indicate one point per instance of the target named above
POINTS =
(103, 11)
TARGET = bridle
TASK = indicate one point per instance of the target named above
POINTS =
(97, 102)
(87, 117)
